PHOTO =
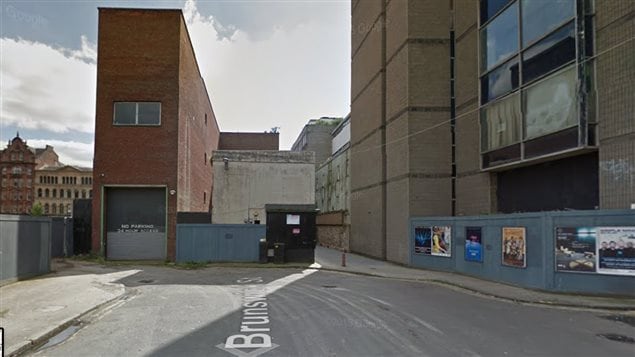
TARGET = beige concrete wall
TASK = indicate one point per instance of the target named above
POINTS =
(615, 66)
(333, 184)
(254, 179)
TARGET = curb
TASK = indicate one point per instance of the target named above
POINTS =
(29, 345)
(488, 294)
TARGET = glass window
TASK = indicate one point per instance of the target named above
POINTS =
(550, 53)
(500, 81)
(540, 16)
(125, 113)
(500, 123)
(137, 113)
(490, 7)
(551, 104)
(499, 39)
(149, 113)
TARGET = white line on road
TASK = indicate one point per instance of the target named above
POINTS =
(254, 302)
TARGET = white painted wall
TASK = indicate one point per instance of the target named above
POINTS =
(253, 179)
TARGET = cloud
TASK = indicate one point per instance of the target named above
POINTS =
(47, 88)
(297, 73)
(69, 152)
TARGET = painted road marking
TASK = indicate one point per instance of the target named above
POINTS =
(255, 317)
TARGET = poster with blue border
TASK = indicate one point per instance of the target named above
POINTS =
(473, 244)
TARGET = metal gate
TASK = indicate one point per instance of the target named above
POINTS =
(135, 223)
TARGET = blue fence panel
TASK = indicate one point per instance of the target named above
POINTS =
(540, 230)
(218, 242)
(25, 247)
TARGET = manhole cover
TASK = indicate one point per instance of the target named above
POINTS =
(329, 286)
(618, 338)
(146, 281)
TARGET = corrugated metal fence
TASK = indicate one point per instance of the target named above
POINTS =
(540, 271)
(25, 247)
(218, 242)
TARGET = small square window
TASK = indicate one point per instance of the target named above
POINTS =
(137, 113)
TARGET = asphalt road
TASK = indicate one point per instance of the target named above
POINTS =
(285, 312)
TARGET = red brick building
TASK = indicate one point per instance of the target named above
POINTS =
(155, 131)
(17, 165)
(249, 141)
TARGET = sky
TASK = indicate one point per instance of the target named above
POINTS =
(266, 64)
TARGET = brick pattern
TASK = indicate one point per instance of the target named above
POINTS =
(145, 55)
(16, 193)
(249, 141)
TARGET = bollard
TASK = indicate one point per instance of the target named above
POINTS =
(343, 259)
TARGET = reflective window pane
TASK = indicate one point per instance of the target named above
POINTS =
(499, 40)
(500, 123)
(550, 53)
(500, 81)
(490, 7)
(551, 105)
(149, 113)
(541, 16)
(125, 113)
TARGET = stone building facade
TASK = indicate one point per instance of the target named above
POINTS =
(17, 165)
(316, 137)
(57, 186)
(461, 107)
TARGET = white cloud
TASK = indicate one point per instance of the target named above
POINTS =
(295, 74)
(256, 83)
(46, 88)
(69, 152)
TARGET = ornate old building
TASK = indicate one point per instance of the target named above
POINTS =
(17, 163)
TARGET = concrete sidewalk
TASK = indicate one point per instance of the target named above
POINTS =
(33, 310)
(331, 259)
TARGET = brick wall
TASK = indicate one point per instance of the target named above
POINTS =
(145, 55)
(249, 141)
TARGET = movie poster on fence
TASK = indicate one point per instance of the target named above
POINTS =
(442, 241)
(615, 250)
(423, 239)
(575, 249)
(473, 244)
(514, 247)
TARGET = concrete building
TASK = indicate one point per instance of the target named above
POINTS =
(461, 107)
(245, 181)
(155, 131)
(17, 165)
(249, 141)
(57, 186)
(332, 191)
(316, 137)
